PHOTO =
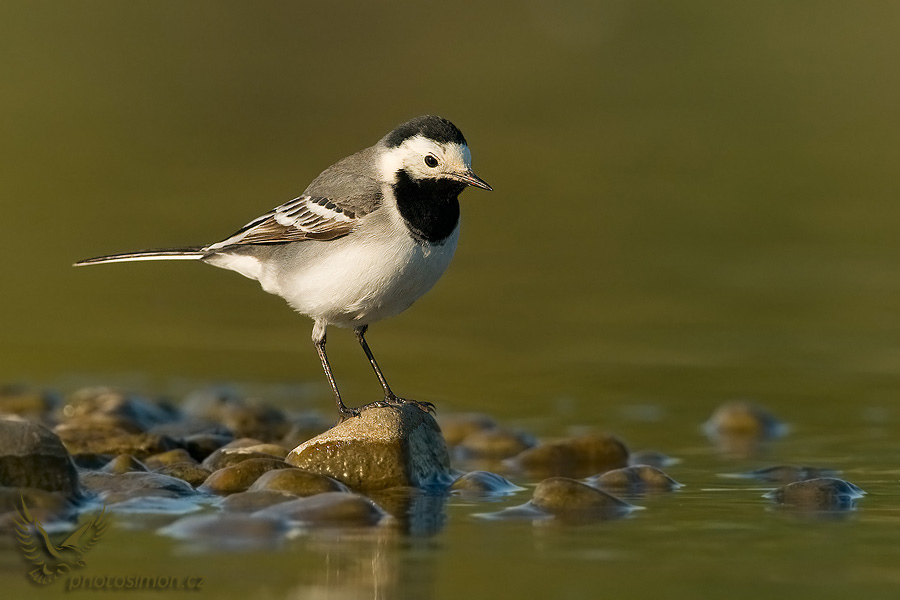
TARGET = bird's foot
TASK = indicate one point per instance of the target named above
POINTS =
(346, 412)
(397, 401)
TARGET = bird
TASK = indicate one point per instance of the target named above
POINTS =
(368, 237)
(51, 561)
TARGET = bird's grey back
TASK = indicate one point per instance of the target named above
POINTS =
(351, 183)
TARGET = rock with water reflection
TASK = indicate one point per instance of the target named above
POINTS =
(32, 456)
(330, 509)
(117, 487)
(574, 457)
(383, 447)
(483, 483)
(635, 479)
(785, 474)
(252, 501)
(741, 418)
(239, 477)
(568, 501)
(821, 494)
(228, 530)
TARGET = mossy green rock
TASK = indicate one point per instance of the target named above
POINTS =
(32, 456)
(382, 448)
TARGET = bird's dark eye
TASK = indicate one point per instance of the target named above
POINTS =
(431, 161)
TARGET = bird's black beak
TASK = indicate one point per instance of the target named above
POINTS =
(470, 178)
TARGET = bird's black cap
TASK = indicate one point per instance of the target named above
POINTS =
(434, 128)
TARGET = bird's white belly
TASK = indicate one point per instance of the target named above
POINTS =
(357, 281)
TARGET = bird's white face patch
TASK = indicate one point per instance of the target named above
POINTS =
(412, 154)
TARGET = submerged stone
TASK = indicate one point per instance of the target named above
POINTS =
(297, 482)
(124, 463)
(573, 457)
(457, 427)
(382, 448)
(171, 457)
(252, 501)
(122, 486)
(483, 483)
(634, 479)
(239, 477)
(84, 438)
(495, 443)
(331, 509)
(824, 493)
(191, 473)
(560, 496)
(32, 456)
(107, 407)
(787, 474)
(739, 418)
(228, 530)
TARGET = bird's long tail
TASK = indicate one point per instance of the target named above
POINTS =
(187, 253)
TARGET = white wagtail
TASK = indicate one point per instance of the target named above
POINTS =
(367, 238)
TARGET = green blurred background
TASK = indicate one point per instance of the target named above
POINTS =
(693, 200)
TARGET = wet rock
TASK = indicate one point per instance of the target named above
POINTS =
(243, 442)
(246, 418)
(32, 456)
(822, 494)
(252, 501)
(331, 509)
(304, 426)
(190, 427)
(239, 477)
(124, 463)
(651, 458)
(382, 448)
(191, 473)
(483, 483)
(744, 419)
(228, 530)
(201, 445)
(785, 474)
(84, 438)
(227, 457)
(178, 455)
(20, 400)
(297, 482)
(106, 407)
(459, 426)
(635, 480)
(563, 497)
(43, 505)
(152, 505)
(274, 450)
(91, 461)
(574, 457)
(118, 487)
(496, 443)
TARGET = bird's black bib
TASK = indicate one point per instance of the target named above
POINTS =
(429, 207)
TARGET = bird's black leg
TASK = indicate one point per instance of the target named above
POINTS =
(389, 397)
(319, 341)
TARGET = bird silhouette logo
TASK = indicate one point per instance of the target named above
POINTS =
(50, 560)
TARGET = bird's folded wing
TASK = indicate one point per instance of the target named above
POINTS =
(303, 218)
